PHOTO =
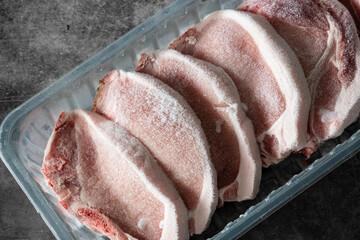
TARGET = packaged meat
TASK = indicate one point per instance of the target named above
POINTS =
(25, 132)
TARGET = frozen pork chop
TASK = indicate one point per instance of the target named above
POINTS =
(110, 181)
(323, 35)
(213, 96)
(164, 122)
(265, 71)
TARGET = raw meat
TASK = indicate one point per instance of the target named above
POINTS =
(164, 122)
(110, 181)
(215, 100)
(266, 72)
(354, 8)
(323, 35)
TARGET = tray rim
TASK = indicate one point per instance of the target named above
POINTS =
(233, 230)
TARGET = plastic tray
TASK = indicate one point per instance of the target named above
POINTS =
(24, 133)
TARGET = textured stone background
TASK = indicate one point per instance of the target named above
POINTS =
(42, 40)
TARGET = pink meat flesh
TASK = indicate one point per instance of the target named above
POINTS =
(110, 181)
(323, 35)
(166, 124)
(246, 46)
(243, 62)
(215, 100)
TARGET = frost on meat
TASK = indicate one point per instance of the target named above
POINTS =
(165, 123)
(110, 181)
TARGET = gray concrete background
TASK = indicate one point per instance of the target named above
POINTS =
(42, 40)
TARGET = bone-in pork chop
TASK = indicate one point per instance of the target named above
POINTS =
(266, 72)
(215, 100)
(165, 123)
(323, 35)
(110, 181)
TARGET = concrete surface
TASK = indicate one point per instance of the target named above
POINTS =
(42, 40)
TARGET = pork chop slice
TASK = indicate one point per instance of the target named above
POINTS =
(109, 180)
(213, 96)
(265, 71)
(323, 35)
(164, 122)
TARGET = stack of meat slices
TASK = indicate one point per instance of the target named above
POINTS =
(213, 96)
(266, 72)
(191, 128)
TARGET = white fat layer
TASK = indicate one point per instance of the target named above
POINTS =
(249, 174)
(319, 69)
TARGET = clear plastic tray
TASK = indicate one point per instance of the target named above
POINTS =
(24, 133)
